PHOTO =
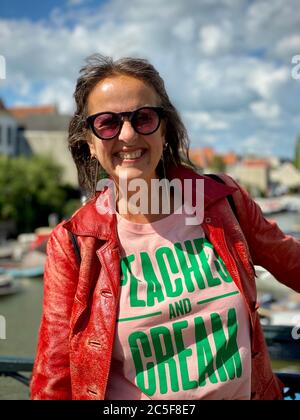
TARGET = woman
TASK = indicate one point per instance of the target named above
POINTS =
(141, 304)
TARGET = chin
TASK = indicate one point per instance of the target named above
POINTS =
(134, 173)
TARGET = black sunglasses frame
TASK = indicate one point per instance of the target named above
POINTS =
(121, 115)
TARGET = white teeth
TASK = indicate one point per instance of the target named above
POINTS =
(132, 155)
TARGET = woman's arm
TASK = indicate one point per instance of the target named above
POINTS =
(269, 246)
(51, 373)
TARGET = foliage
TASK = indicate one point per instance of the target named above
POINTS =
(217, 164)
(31, 189)
(71, 206)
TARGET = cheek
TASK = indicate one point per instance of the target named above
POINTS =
(104, 153)
(157, 144)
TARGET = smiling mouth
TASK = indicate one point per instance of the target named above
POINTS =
(131, 156)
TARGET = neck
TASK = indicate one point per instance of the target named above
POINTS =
(149, 202)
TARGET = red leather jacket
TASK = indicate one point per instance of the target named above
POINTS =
(80, 303)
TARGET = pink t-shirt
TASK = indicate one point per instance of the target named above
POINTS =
(182, 328)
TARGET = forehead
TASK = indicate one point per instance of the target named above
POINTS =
(121, 93)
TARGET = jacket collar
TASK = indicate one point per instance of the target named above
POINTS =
(213, 190)
(87, 221)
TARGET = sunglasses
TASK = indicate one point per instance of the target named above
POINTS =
(108, 125)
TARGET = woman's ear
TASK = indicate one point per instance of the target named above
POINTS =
(91, 146)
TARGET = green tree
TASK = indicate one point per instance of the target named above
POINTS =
(31, 189)
(217, 164)
(71, 206)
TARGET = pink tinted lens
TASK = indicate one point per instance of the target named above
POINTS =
(107, 125)
(145, 121)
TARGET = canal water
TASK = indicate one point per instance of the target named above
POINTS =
(22, 313)
(288, 222)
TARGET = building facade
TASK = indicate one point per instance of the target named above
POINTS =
(9, 132)
(44, 131)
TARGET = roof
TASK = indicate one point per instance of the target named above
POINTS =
(21, 112)
(41, 118)
(3, 109)
(230, 158)
(202, 157)
(51, 122)
(259, 162)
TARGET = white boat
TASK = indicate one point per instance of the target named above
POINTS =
(8, 285)
(267, 283)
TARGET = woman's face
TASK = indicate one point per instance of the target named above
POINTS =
(128, 155)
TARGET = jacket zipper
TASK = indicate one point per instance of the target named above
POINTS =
(234, 269)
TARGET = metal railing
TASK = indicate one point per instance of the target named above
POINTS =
(291, 382)
(12, 366)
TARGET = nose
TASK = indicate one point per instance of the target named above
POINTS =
(127, 133)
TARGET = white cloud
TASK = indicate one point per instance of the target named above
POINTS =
(206, 121)
(209, 139)
(267, 22)
(265, 79)
(225, 62)
(265, 110)
(288, 46)
(214, 40)
(184, 30)
(208, 74)
(256, 144)
(59, 93)
(76, 2)
(223, 83)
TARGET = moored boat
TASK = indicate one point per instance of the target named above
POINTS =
(25, 272)
(8, 285)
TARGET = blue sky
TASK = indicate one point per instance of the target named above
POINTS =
(226, 63)
(31, 9)
(36, 10)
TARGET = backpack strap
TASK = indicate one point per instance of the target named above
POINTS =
(76, 246)
(229, 197)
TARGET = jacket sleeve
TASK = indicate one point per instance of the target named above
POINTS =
(269, 246)
(51, 373)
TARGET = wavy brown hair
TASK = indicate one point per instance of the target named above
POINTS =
(99, 67)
